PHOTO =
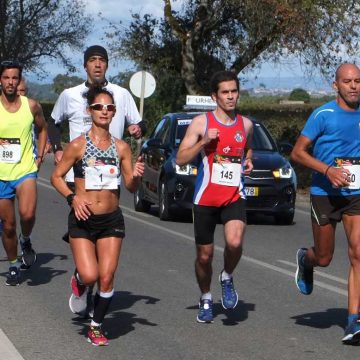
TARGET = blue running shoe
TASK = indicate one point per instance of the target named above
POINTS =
(352, 333)
(205, 314)
(304, 276)
(229, 296)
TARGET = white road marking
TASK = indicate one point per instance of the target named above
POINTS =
(9, 352)
(7, 348)
(263, 264)
(278, 269)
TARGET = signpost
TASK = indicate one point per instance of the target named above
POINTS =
(142, 85)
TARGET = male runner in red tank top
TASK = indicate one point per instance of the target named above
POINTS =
(223, 138)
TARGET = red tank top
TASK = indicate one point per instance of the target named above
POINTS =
(219, 181)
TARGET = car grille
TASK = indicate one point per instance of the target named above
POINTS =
(261, 202)
(260, 174)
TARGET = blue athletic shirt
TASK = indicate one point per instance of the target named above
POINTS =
(335, 133)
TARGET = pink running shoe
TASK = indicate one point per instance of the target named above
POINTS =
(96, 336)
(77, 288)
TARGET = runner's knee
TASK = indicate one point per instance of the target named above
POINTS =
(106, 282)
(88, 278)
(354, 253)
(204, 258)
(324, 260)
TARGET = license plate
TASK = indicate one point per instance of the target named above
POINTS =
(252, 191)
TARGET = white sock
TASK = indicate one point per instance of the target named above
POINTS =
(93, 323)
(107, 295)
(225, 275)
(23, 238)
(206, 296)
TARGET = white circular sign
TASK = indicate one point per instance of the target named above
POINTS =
(142, 82)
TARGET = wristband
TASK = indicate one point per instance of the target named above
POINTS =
(70, 199)
(327, 169)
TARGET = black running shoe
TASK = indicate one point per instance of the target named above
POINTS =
(28, 254)
(13, 276)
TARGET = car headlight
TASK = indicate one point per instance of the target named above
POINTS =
(186, 169)
(285, 172)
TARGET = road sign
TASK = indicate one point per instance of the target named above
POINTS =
(142, 82)
(142, 85)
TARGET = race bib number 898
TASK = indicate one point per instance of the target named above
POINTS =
(10, 151)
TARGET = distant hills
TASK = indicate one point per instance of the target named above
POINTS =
(287, 83)
(42, 92)
(267, 85)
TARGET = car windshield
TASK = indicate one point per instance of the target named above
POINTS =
(181, 126)
(260, 141)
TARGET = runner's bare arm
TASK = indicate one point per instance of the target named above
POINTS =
(130, 173)
(248, 164)
(300, 154)
(195, 139)
(41, 126)
(73, 152)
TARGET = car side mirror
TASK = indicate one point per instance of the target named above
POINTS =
(154, 142)
(157, 143)
(285, 148)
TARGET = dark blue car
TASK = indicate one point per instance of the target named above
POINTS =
(270, 187)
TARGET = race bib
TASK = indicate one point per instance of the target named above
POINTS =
(102, 175)
(353, 165)
(10, 150)
(87, 122)
(226, 171)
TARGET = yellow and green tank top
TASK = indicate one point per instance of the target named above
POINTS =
(16, 142)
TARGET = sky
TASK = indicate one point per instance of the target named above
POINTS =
(115, 11)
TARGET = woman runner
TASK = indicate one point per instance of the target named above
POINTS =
(96, 223)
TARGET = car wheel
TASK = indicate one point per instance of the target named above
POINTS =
(140, 204)
(164, 211)
(285, 218)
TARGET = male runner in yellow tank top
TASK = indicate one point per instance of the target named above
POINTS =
(18, 166)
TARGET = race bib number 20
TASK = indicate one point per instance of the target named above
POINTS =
(353, 165)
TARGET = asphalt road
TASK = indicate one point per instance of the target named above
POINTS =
(153, 314)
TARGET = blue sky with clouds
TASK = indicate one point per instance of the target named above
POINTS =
(116, 11)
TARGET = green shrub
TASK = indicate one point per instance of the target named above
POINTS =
(299, 95)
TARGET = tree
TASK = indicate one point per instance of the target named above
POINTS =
(62, 82)
(209, 35)
(299, 94)
(32, 30)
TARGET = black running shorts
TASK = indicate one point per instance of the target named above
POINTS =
(327, 209)
(97, 226)
(206, 218)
